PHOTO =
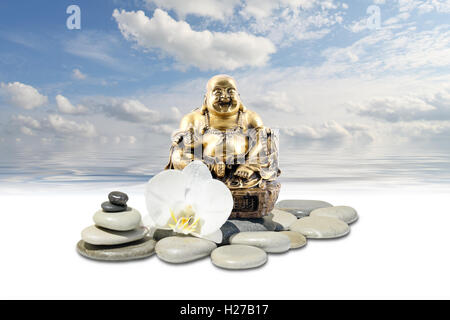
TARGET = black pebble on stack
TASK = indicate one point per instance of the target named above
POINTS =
(117, 202)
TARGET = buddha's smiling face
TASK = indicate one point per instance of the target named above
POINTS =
(222, 96)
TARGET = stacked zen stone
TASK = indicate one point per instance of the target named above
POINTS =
(118, 234)
(247, 242)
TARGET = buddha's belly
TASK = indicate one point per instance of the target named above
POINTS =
(231, 146)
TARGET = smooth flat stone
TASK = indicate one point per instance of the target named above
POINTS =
(238, 257)
(283, 217)
(119, 221)
(297, 239)
(183, 249)
(228, 229)
(109, 207)
(118, 198)
(320, 227)
(104, 237)
(234, 226)
(344, 213)
(269, 241)
(301, 208)
(271, 225)
(245, 225)
(160, 234)
(131, 251)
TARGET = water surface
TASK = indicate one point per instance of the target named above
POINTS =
(131, 165)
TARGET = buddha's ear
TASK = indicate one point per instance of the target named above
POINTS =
(242, 108)
(204, 108)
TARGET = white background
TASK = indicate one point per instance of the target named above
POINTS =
(399, 248)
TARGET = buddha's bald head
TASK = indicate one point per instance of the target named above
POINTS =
(222, 95)
(220, 78)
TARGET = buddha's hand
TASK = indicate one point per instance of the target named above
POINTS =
(244, 172)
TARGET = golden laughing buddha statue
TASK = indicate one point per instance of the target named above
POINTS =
(235, 145)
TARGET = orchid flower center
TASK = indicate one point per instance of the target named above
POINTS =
(186, 222)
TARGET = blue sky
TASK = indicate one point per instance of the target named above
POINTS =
(318, 70)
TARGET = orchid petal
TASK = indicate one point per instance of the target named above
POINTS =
(212, 202)
(196, 173)
(162, 193)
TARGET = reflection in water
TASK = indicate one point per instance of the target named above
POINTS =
(318, 165)
(134, 165)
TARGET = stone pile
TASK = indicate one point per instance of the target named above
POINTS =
(248, 242)
(118, 233)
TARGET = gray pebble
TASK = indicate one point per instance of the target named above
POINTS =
(301, 208)
(131, 251)
(320, 227)
(118, 221)
(297, 239)
(245, 225)
(269, 241)
(104, 237)
(118, 198)
(160, 234)
(109, 207)
(344, 213)
(283, 217)
(183, 249)
(238, 257)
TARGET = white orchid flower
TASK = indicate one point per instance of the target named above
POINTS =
(189, 201)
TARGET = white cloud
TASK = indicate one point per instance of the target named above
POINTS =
(65, 106)
(27, 131)
(435, 106)
(130, 115)
(22, 95)
(130, 110)
(395, 51)
(398, 18)
(215, 9)
(62, 126)
(120, 139)
(203, 49)
(54, 125)
(132, 139)
(405, 10)
(427, 131)
(330, 130)
(176, 114)
(222, 10)
(393, 108)
(282, 21)
(164, 129)
(279, 100)
(440, 6)
(408, 5)
(259, 9)
(96, 46)
(287, 21)
(26, 121)
(77, 74)
(424, 6)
